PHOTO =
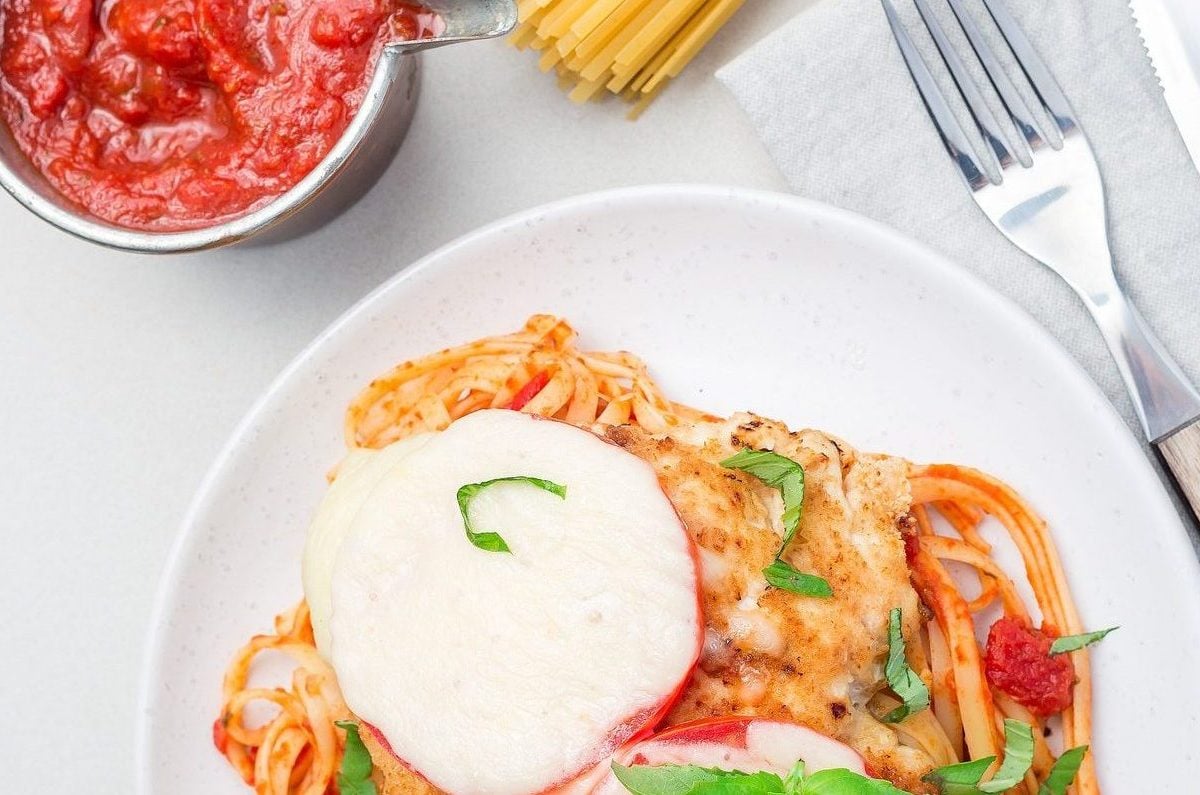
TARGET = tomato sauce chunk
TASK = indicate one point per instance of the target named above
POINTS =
(166, 115)
(1018, 663)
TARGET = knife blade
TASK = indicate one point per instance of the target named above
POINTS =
(1171, 32)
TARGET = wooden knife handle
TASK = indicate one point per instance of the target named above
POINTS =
(1181, 451)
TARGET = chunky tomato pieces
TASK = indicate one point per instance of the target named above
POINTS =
(1018, 663)
(175, 114)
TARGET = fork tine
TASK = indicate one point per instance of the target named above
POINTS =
(1034, 67)
(1020, 112)
(953, 135)
(989, 126)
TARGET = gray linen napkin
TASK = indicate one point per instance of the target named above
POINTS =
(832, 100)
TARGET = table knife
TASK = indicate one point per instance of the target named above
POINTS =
(1171, 32)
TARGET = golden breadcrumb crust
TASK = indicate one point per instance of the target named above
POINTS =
(769, 652)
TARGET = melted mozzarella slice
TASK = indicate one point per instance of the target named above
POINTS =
(509, 673)
(359, 473)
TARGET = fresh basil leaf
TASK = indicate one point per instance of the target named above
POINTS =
(960, 779)
(1018, 757)
(780, 473)
(741, 784)
(492, 542)
(1063, 772)
(784, 474)
(793, 504)
(770, 467)
(783, 575)
(354, 777)
(683, 779)
(366, 787)
(964, 777)
(693, 780)
(845, 782)
(489, 542)
(795, 779)
(1075, 642)
(900, 676)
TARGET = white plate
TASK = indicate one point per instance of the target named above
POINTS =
(737, 300)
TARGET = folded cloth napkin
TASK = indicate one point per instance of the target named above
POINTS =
(834, 103)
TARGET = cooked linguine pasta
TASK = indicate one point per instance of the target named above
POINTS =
(540, 370)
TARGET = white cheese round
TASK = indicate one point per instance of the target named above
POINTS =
(508, 673)
(359, 472)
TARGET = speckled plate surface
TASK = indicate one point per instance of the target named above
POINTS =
(736, 299)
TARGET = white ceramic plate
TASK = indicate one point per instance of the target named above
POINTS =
(737, 300)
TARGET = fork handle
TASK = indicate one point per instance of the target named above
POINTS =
(1167, 404)
(1163, 397)
(1181, 452)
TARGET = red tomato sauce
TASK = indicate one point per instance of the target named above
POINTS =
(1018, 662)
(168, 115)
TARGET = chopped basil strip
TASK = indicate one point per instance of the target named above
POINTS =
(1018, 757)
(963, 778)
(784, 575)
(354, 777)
(779, 473)
(844, 782)
(900, 676)
(960, 779)
(1075, 642)
(693, 780)
(742, 784)
(787, 476)
(673, 779)
(1063, 772)
(492, 542)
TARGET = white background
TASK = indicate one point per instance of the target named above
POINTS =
(121, 376)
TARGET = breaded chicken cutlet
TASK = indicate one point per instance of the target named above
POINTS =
(769, 652)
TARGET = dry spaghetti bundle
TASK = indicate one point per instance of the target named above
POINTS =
(627, 47)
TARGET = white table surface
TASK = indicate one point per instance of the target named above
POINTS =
(123, 375)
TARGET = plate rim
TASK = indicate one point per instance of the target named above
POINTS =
(1177, 539)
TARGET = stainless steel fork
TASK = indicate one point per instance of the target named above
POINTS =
(1045, 195)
